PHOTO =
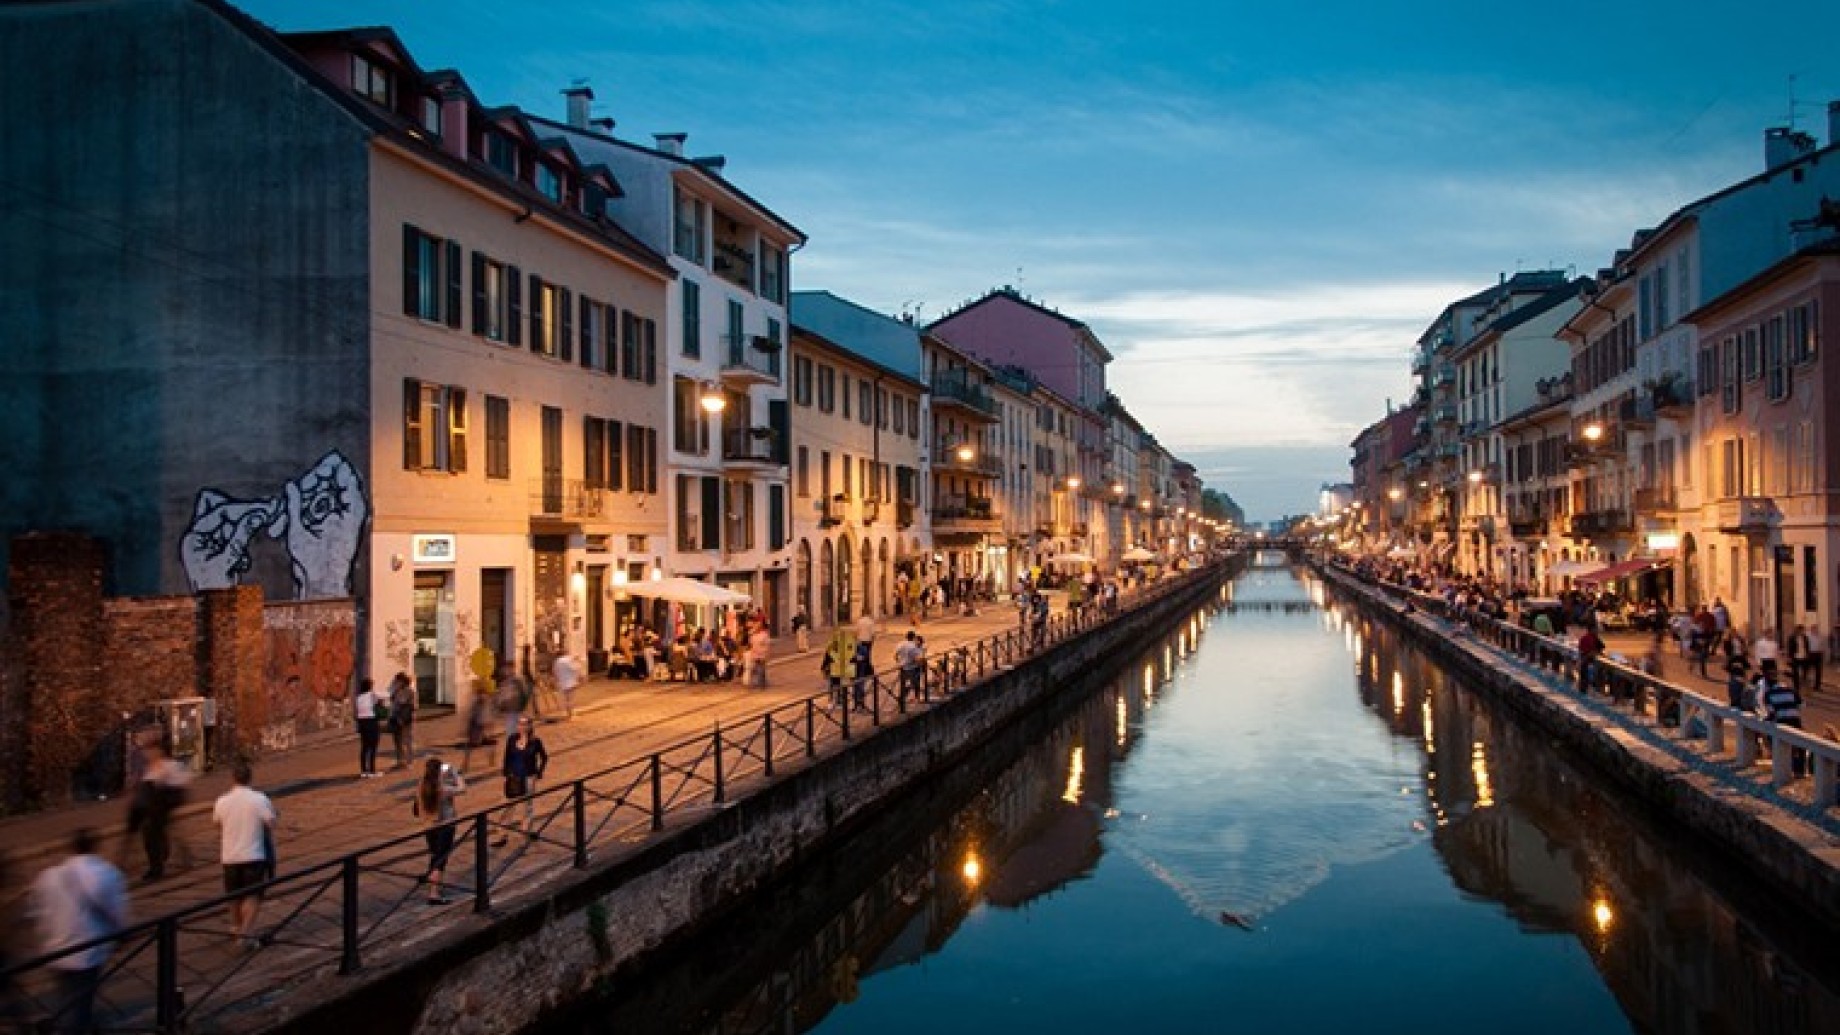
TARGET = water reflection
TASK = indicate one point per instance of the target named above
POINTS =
(1233, 770)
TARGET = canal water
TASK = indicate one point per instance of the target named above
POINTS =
(1279, 818)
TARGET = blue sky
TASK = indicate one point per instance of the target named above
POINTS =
(1257, 206)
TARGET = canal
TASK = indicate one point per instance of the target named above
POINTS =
(1278, 818)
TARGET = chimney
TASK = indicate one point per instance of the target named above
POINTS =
(1782, 145)
(604, 124)
(671, 143)
(580, 100)
(1833, 123)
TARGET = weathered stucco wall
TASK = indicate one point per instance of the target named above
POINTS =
(182, 265)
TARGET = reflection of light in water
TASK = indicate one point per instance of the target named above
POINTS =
(1359, 644)
(1399, 694)
(1602, 915)
(1076, 774)
(1479, 768)
(1430, 730)
(973, 869)
(1149, 683)
(1124, 719)
(1169, 659)
(1373, 666)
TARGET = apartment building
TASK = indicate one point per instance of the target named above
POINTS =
(856, 480)
(721, 353)
(1536, 491)
(418, 378)
(966, 453)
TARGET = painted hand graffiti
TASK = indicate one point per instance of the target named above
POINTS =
(320, 516)
(325, 518)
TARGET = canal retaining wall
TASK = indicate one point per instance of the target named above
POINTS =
(1790, 853)
(530, 958)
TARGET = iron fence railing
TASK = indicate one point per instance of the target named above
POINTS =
(1693, 727)
(185, 969)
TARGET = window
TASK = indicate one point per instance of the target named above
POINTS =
(1774, 365)
(913, 418)
(849, 474)
(498, 305)
(1662, 287)
(498, 437)
(778, 342)
(772, 273)
(801, 380)
(642, 459)
(593, 333)
(690, 227)
(824, 474)
(690, 432)
(900, 416)
(549, 182)
(430, 112)
(776, 517)
(1802, 478)
(865, 401)
(431, 277)
(1811, 575)
(602, 466)
(802, 474)
(738, 514)
(551, 319)
(370, 81)
(434, 427)
(827, 389)
(1753, 366)
(501, 153)
(693, 319)
(881, 408)
(638, 348)
(736, 338)
(844, 393)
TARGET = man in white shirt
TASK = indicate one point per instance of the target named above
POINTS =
(248, 820)
(1767, 652)
(79, 900)
(911, 656)
(568, 676)
(865, 633)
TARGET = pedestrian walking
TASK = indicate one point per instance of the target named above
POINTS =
(1783, 705)
(247, 819)
(862, 669)
(512, 698)
(1737, 677)
(79, 900)
(1590, 648)
(476, 707)
(838, 653)
(524, 763)
(158, 793)
(567, 671)
(370, 731)
(759, 649)
(434, 805)
(865, 633)
(1817, 658)
(402, 718)
(911, 656)
(1766, 652)
(801, 629)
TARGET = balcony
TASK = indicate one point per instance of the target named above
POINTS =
(751, 448)
(869, 511)
(904, 513)
(953, 391)
(1655, 501)
(832, 510)
(1747, 515)
(966, 514)
(1526, 524)
(749, 360)
(1420, 364)
(981, 465)
(567, 499)
(733, 262)
(1445, 377)
(1445, 414)
(1602, 524)
(1672, 397)
(1636, 412)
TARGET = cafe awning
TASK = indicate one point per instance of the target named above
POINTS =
(1622, 570)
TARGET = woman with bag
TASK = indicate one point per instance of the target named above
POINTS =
(525, 761)
(402, 718)
(434, 804)
(365, 708)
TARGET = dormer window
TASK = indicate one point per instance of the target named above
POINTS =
(370, 81)
(501, 153)
(431, 116)
(549, 183)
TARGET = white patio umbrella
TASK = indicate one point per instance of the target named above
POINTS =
(687, 591)
(1071, 558)
(1137, 555)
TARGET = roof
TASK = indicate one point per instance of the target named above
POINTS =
(1544, 304)
(1522, 282)
(856, 357)
(1010, 294)
(1737, 295)
(1691, 210)
(702, 167)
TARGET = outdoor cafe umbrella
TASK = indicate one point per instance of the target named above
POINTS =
(1138, 554)
(688, 591)
(1071, 558)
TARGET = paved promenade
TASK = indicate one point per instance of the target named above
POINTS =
(326, 811)
(1820, 708)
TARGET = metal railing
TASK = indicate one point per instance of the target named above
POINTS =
(1692, 726)
(184, 969)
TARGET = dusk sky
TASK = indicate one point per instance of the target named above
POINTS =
(1257, 206)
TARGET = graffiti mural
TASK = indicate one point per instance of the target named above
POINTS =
(319, 516)
(311, 661)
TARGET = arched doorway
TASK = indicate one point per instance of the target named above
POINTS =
(801, 577)
(827, 587)
(845, 572)
(869, 599)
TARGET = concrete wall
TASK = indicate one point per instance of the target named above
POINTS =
(532, 957)
(181, 262)
(1784, 851)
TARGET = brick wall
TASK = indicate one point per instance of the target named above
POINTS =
(310, 648)
(54, 590)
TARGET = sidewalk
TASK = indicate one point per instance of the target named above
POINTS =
(1820, 707)
(326, 811)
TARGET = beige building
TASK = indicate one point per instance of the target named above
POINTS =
(964, 455)
(856, 480)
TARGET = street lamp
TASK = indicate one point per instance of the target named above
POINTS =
(1475, 477)
(713, 400)
(1394, 493)
(1593, 431)
(965, 452)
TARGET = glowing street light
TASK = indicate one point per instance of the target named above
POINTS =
(965, 452)
(1593, 431)
(713, 401)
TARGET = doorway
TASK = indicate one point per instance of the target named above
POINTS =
(434, 636)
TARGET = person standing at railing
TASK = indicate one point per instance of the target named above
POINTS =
(1782, 705)
(247, 818)
(79, 900)
(1590, 649)
(838, 653)
(1766, 652)
(1737, 678)
(434, 805)
(525, 761)
(1798, 657)
(911, 656)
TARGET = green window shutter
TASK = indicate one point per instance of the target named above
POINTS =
(453, 284)
(514, 305)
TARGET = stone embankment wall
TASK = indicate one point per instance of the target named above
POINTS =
(1789, 852)
(529, 959)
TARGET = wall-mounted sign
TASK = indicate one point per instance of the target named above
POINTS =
(434, 549)
(1663, 542)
